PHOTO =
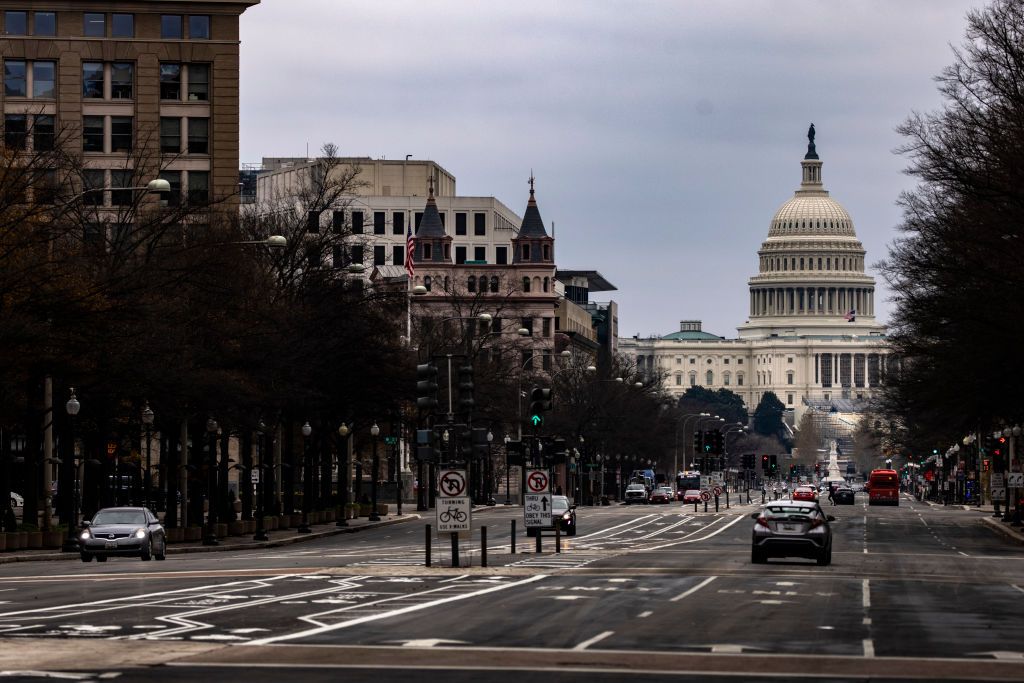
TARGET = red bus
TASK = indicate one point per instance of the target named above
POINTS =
(883, 487)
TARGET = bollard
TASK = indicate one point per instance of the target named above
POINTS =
(726, 500)
(558, 538)
(538, 541)
(513, 537)
(694, 506)
(455, 548)
(762, 497)
(705, 506)
(483, 546)
(427, 529)
(716, 503)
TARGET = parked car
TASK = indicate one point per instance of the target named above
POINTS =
(662, 494)
(636, 493)
(844, 495)
(805, 493)
(16, 500)
(692, 496)
(562, 513)
(792, 529)
(123, 531)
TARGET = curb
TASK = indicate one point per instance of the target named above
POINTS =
(999, 527)
(256, 545)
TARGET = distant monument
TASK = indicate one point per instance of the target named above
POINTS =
(833, 453)
(811, 152)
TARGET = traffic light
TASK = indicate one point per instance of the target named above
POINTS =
(748, 461)
(540, 401)
(466, 401)
(773, 463)
(765, 463)
(709, 441)
(719, 442)
(985, 464)
(698, 441)
(426, 386)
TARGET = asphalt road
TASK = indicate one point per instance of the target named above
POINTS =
(914, 591)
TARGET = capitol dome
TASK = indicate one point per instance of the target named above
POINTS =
(807, 214)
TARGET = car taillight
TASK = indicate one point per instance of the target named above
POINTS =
(816, 523)
(763, 521)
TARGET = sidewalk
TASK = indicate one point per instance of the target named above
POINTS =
(276, 539)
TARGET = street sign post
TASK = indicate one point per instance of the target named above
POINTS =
(998, 494)
(537, 509)
(537, 481)
(454, 512)
(254, 476)
(1015, 479)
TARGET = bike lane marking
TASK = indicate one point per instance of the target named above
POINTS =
(392, 613)
(687, 539)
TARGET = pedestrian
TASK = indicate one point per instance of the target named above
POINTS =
(832, 495)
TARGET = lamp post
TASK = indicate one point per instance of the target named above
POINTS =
(397, 478)
(307, 480)
(210, 537)
(343, 478)
(147, 419)
(261, 486)
(675, 453)
(374, 517)
(508, 469)
(489, 472)
(70, 484)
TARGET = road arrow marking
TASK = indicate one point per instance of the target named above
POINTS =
(428, 642)
(571, 597)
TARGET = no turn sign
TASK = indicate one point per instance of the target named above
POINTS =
(705, 495)
(451, 483)
(537, 481)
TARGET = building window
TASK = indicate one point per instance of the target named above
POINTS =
(92, 79)
(726, 378)
(45, 24)
(121, 80)
(739, 361)
(121, 179)
(16, 23)
(460, 255)
(15, 131)
(92, 133)
(546, 327)
(546, 250)
(789, 359)
(379, 223)
(170, 135)
(199, 136)
(501, 256)
(199, 27)
(357, 256)
(471, 284)
(494, 283)
(357, 222)
(94, 25)
(120, 133)
(526, 252)
(693, 379)
(122, 25)
(527, 324)
(379, 257)
(198, 187)
(427, 282)
(44, 76)
(398, 255)
(725, 361)
(546, 284)
(789, 399)
(526, 284)
(789, 378)
(417, 219)
(43, 133)
(693, 361)
(739, 379)
(170, 26)
(170, 81)
(198, 82)
(479, 224)
(312, 222)
(15, 80)
(679, 380)
(460, 223)
(173, 197)
(337, 221)
(398, 223)
(94, 181)
(710, 378)
(479, 253)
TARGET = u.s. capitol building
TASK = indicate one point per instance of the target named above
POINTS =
(811, 338)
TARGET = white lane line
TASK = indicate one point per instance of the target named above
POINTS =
(869, 648)
(1013, 585)
(866, 591)
(599, 637)
(601, 532)
(384, 615)
(694, 589)
(702, 538)
(963, 553)
(644, 615)
(866, 621)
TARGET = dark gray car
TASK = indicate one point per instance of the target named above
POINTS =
(127, 531)
(792, 528)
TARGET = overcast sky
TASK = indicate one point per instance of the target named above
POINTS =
(663, 135)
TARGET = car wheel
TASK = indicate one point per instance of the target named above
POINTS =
(571, 531)
(86, 557)
(825, 557)
(101, 558)
(757, 557)
(147, 552)
(162, 555)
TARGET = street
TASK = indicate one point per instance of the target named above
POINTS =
(914, 591)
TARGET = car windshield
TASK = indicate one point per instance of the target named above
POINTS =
(559, 503)
(635, 487)
(693, 492)
(787, 510)
(119, 517)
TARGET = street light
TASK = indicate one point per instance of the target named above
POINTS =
(489, 471)
(675, 453)
(70, 492)
(307, 482)
(210, 537)
(147, 419)
(343, 478)
(508, 469)
(261, 486)
(374, 517)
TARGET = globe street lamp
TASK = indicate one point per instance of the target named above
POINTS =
(343, 478)
(147, 420)
(508, 469)
(69, 486)
(307, 480)
(374, 517)
(210, 537)
(490, 470)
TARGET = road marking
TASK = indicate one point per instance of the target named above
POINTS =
(866, 621)
(869, 648)
(963, 553)
(599, 637)
(695, 540)
(644, 615)
(866, 593)
(1013, 585)
(327, 628)
(604, 531)
(693, 590)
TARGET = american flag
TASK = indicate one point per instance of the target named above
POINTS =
(410, 249)
(851, 316)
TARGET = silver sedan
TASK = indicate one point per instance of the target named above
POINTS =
(131, 531)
